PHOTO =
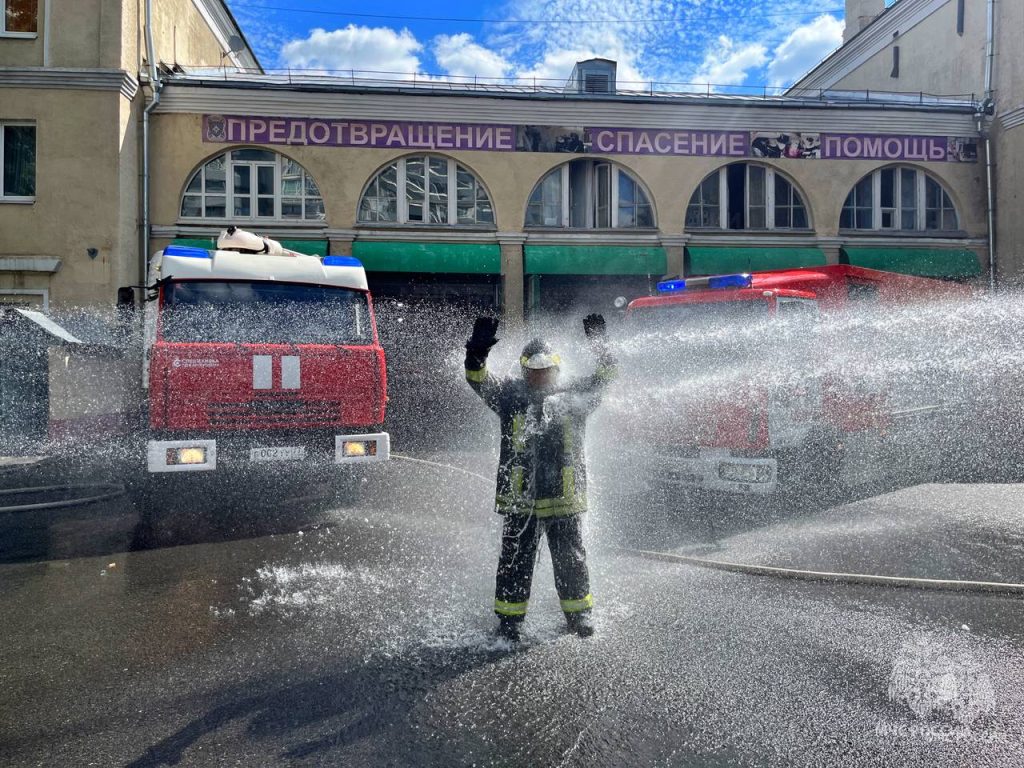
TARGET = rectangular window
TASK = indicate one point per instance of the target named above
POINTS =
(603, 196)
(736, 195)
(783, 203)
(960, 17)
(18, 159)
(908, 198)
(20, 16)
(758, 207)
(415, 189)
(438, 168)
(895, 62)
(887, 198)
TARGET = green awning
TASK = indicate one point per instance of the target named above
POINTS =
(593, 260)
(708, 260)
(923, 262)
(463, 258)
(312, 247)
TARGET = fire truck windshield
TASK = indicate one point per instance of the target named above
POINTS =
(700, 316)
(264, 312)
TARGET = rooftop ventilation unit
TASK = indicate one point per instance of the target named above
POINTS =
(592, 76)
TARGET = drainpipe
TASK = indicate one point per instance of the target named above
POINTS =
(987, 107)
(157, 86)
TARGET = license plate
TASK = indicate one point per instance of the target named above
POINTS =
(282, 453)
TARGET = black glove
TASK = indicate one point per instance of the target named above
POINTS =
(594, 327)
(480, 343)
(484, 334)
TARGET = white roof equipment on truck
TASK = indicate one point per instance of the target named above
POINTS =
(241, 255)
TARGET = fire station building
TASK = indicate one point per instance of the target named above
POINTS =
(527, 199)
(545, 200)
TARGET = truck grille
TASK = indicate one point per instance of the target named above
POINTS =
(272, 413)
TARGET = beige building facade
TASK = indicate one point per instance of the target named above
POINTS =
(721, 182)
(70, 120)
(969, 48)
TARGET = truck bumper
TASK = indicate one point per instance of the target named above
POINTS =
(718, 470)
(201, 454)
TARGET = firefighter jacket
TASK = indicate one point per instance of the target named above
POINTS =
(541, 468)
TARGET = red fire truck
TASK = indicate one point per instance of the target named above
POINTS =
(255, 354)
(794, 414)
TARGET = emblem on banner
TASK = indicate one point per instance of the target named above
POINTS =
(215, 129)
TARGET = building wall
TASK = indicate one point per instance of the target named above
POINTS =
(1008, 142)
(933, 57)
(78, 194)
(88, 139)
(182, 36)
(342, 173)
(110, 33)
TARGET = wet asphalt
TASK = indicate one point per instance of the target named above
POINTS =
(301, 630)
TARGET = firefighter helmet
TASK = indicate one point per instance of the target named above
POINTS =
(538, 355)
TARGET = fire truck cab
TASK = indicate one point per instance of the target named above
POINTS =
(256, 354)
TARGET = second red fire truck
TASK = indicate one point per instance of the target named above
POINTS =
(794, 415)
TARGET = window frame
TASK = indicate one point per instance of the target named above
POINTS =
(253, 195)
(4, 32)
(920, 203)
(452, 193)
(594, 206)
(4, 124)
(770, 174)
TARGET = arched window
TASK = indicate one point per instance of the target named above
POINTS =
(255, 184)
(899, 198)
(746, 196)
(425, 189)
(588, 194)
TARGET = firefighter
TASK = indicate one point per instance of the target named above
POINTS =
(542, 485)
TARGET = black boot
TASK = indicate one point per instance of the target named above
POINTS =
(508, 628)
(580, 623)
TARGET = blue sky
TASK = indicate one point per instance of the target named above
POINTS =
(723, 42)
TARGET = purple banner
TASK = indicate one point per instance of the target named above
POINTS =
(855, 146)
(643, 141)
(358, 133)
(782, 145)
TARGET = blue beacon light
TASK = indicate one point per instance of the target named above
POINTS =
(186, 251)
(669, 286)
(342, 261)
(731, 281)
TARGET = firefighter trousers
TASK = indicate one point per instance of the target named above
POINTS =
(519, 540)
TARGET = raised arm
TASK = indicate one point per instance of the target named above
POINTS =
(591, 388)
(484, 383)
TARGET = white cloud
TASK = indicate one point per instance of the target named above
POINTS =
(380, 49)
(805, 47)
(460, 56)
(729, 63)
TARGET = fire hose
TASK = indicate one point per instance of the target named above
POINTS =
(798, 574)
(93, 492)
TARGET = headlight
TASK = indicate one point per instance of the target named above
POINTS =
(359, 448)
(745, 473)
(186, 456)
